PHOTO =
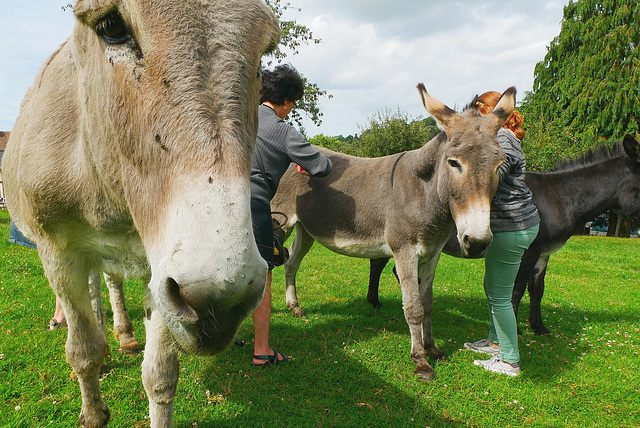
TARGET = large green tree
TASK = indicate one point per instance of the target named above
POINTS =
(587, 88)
(295, 35)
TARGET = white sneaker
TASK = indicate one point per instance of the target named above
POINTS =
(496, 365)
(482, 346)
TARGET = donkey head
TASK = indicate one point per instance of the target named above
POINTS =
(467, 166)
(629, 190)
(175, 86)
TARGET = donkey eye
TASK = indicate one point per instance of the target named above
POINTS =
(454, 163)
(112, 29)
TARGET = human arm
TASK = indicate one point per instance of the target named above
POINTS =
(513, 150)
(310, 160)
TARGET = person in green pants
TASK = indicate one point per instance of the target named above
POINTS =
(514, 223)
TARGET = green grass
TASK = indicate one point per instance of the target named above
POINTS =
(352, 365)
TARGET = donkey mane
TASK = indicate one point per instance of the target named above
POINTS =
(472, 107)
(594, 156)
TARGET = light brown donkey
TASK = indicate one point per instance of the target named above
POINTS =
(131, 155)
(403, 206)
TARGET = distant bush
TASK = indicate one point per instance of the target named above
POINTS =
(386, 133)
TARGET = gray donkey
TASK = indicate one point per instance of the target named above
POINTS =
(403, 206)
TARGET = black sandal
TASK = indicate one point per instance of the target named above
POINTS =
(271, 360)
(55, 325)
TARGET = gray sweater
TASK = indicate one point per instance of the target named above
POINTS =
(512, 208)
(278, 144)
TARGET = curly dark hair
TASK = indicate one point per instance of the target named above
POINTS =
(284, 82)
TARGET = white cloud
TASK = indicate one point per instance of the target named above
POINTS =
(372, 59)
(373, 52)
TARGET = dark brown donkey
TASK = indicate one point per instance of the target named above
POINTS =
(403, 206)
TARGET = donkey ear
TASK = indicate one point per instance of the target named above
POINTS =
(443, 114)
(632, 147)
(504, 108)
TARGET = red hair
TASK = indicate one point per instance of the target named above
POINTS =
(487, 101)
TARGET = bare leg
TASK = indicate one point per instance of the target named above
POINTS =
(59, 320)
(261, 323)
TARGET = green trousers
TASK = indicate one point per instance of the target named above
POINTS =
(502, 261)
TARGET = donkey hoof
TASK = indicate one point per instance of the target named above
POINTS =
(297, 312)
(423, 370)
(98, 419)
(425, 375)
(436, 354)
(129, 344)
(538, 328)
(541, 331)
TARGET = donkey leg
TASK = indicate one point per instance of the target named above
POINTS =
(426, 273)
(86, 345)
(407, 267)
(122, 326)
(95, 292)
(159, 371)
(525, 273)
(536, 291)
(375, 271)
(300, 247)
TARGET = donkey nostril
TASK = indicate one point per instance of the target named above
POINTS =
(173, 292)
(473, 246)
(177, 303)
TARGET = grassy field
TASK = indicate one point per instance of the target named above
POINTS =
(352, 365)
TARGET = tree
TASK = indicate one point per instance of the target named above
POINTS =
(388, 133)
(587, 88)
(293, 36)
(336, 144)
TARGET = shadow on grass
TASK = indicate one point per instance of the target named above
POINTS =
(326, 384)
(329, 385)
(457, 320)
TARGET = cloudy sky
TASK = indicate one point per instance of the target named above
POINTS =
(372, 55)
